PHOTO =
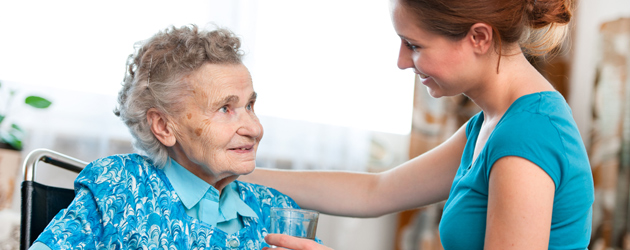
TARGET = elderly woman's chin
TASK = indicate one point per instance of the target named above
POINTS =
(246, 167)
(243, 166)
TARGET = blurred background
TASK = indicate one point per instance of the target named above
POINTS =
(330, 96)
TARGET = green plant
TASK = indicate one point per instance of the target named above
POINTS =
(14, 134)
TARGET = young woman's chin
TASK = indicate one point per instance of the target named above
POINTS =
(435, 92)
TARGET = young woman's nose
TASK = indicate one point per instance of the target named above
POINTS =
(404, 57)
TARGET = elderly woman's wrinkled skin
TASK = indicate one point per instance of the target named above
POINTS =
(217, 133)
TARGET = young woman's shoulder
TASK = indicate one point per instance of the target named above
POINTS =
(541, 129)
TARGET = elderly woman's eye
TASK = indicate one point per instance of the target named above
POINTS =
(223, 109)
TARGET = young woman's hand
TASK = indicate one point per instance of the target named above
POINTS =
(290, 242)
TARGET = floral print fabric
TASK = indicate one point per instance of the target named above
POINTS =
(125, 202)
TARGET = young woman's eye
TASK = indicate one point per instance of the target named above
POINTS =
(411, 46)
(250, 106)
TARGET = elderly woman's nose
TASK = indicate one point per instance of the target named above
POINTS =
(249, 125)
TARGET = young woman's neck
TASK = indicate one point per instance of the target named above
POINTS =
(516, 77)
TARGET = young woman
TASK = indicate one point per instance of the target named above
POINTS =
(516, 175)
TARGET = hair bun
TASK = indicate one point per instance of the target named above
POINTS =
(544, 12)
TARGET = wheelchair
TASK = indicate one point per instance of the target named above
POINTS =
(40, 203)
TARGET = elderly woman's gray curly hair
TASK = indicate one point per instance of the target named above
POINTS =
(155, 77)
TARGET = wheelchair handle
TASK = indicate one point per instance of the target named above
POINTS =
(50, 157)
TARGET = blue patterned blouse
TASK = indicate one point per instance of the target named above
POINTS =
(125, 202)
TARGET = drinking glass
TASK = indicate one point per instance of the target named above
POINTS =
(295, 222)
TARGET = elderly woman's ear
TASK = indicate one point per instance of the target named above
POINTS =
(160, 128)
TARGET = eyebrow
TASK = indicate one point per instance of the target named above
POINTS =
(233, 98)
(407, 39)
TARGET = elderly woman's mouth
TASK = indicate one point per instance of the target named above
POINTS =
(243, 148)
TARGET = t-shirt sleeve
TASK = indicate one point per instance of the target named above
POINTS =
(530, 136)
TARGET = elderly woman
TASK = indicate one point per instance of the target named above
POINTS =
(189, 103)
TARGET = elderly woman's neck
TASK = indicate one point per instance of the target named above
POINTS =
(222, 183)
(203, 172)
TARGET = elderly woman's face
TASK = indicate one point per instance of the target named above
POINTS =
(217, 131)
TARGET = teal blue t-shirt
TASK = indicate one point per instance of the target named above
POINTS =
(540, 128)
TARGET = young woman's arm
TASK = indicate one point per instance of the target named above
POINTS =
(421, 181)
(520, 203)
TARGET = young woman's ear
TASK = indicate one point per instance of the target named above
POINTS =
(160, 127)
(480, 35)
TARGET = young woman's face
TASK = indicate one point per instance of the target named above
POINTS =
(442, 64)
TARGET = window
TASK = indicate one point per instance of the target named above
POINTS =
(331, 62)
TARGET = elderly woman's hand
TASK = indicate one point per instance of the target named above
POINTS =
(291, 242)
